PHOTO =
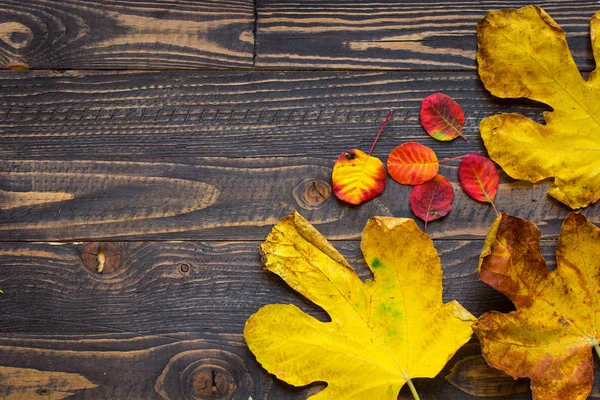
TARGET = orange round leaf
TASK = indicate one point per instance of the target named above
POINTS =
(433, 199)
(357, 177)
(412, 163)
(478, 176)
(442, 117)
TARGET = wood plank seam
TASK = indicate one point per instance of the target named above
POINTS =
(255, 33)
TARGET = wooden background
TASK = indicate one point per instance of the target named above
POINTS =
(173, 134)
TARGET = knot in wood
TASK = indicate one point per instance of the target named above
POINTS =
(311, 194)
(15, 34)
(205, 374)
(211, 382)
(101, 258)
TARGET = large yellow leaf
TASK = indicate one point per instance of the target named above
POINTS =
(524, 53)
(551, 335)
(382, 332)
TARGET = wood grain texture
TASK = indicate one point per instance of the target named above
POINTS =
(166, 115)
(183, 155)
(91, 34)
(194, 158)
(155, 34)
(475, 378)
(390, 34)
(29, 383)
(216, 199)
(189, 366)
(198, 286)
(170, 311)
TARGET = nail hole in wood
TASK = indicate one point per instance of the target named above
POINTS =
(184, 268)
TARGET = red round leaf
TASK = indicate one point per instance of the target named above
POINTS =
(442, 117)
(412, 163)
(478, 177)
(357, 177)
(432, 200)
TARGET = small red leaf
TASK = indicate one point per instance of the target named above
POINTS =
(442, 117)
(357, 177)
(432, 200)
(478, 177)
(412, 163)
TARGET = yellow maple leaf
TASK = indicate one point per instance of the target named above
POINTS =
(382, 333)
(524, 53)
(550, 337)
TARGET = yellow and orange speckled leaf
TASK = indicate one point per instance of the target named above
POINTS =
(550, 337)
(524, 53)
(383, 332)
(357, 177)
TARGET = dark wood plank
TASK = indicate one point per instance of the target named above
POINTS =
(390, 34)
(216, 199)
(129, 34)
(204, 286)
(188, 155)
(192, 366)
(129, 367)
(162, 312)
(163, 115)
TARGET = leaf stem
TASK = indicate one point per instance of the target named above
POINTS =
(597, 348)
(497, 213)
(454, 158)
(380, 130)
(414, 391)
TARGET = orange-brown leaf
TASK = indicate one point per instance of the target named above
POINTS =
(549, 338)
(411, 163)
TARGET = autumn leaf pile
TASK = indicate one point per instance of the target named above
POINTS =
(358, 177)
(386, 331)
